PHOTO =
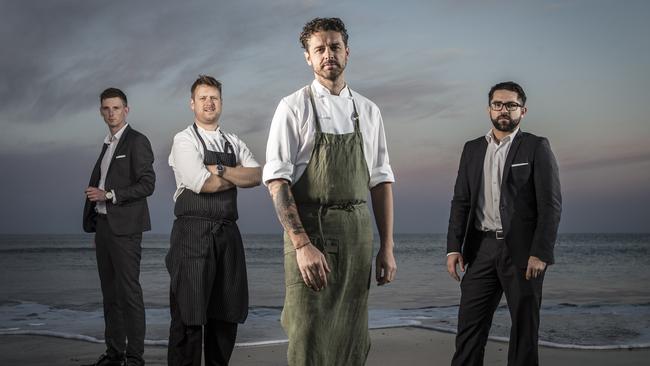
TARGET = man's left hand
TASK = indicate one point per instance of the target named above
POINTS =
(385, 266)
(95, 194)
(535, 267)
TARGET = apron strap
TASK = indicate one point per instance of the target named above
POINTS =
(355, 116)
(313, 106)
(227, 146)
(196, 130)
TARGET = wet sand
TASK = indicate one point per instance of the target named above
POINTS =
(396, 346)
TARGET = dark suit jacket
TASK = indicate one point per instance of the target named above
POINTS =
(132, 178)
(530, 205)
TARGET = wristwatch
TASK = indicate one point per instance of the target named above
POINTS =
(109, 196)
(220, 170)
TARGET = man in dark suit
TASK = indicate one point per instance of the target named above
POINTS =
(504, 219)
(116, 211)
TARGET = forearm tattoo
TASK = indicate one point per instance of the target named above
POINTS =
(285, 207)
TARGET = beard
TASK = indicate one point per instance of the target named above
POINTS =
(331, 74)
(506, 124)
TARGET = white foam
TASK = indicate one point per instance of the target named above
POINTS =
(163, 343)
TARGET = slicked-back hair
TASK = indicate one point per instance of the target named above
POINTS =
(205, 80)
(320, 25)
(511, 86)
(113, 93)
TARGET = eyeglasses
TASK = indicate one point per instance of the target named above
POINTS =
(510, 106)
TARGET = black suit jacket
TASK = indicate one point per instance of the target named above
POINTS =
(530, 204)
(132, 177)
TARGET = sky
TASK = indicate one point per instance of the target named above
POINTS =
(428, 65)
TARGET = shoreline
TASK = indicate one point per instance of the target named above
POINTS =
(390, 346)
(284, 341)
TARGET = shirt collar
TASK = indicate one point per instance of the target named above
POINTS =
(322, 91)
(490, 138)
(110, 138)
(210, 132)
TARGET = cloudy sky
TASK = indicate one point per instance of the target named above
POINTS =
(427, 64)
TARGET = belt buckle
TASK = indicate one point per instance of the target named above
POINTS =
(499, 235)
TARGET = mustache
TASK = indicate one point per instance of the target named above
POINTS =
(330, 62)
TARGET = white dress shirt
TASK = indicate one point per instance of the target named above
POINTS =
(488, 216)
(111, 141)
(186, 157)
(291, 137)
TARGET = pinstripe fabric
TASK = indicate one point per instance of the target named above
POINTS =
(206, 259)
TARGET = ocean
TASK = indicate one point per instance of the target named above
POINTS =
(596, 296)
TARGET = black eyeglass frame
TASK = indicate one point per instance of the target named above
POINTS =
(510, 106)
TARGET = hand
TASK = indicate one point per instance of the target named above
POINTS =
(535, 267)
(452, 261)
(95, 194)
(313, 266)
(212, 169)
(385, 266)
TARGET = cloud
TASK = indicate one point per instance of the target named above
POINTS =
(604, 162)
(60, 55)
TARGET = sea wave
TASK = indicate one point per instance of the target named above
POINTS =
(564, 325)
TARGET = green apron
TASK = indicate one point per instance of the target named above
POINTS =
(330, 327)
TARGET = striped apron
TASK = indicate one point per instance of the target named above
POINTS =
(330, 327)
(206, 260)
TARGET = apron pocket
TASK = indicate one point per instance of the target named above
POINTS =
(292, 276)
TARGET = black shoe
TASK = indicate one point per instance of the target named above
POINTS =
(133, 362)
(105, 360)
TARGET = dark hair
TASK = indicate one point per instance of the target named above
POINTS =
(205, 80)
(322, 24)
(511, 86)
(113, 93)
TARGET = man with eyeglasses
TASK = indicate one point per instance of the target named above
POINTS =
(504, 218)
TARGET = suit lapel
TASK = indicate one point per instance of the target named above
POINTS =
(94, 177)
(119, 148)
(478, 168)
(511, 155)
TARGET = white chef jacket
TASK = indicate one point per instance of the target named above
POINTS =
(291, 137)
(186, 157)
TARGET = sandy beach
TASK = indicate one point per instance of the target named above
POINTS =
(396, 346)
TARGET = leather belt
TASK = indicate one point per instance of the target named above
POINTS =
(498, 235)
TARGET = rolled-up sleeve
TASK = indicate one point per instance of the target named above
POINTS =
(282, 144)
(381, 171)
(187, 162)
(245, 156)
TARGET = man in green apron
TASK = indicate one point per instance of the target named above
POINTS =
(326, 151)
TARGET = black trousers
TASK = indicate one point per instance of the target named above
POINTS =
(217, 337)
(118, 262)
(490, 275)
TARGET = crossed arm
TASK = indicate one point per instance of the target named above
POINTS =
(238, 176)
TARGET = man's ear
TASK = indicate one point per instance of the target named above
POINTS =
(307, 58)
